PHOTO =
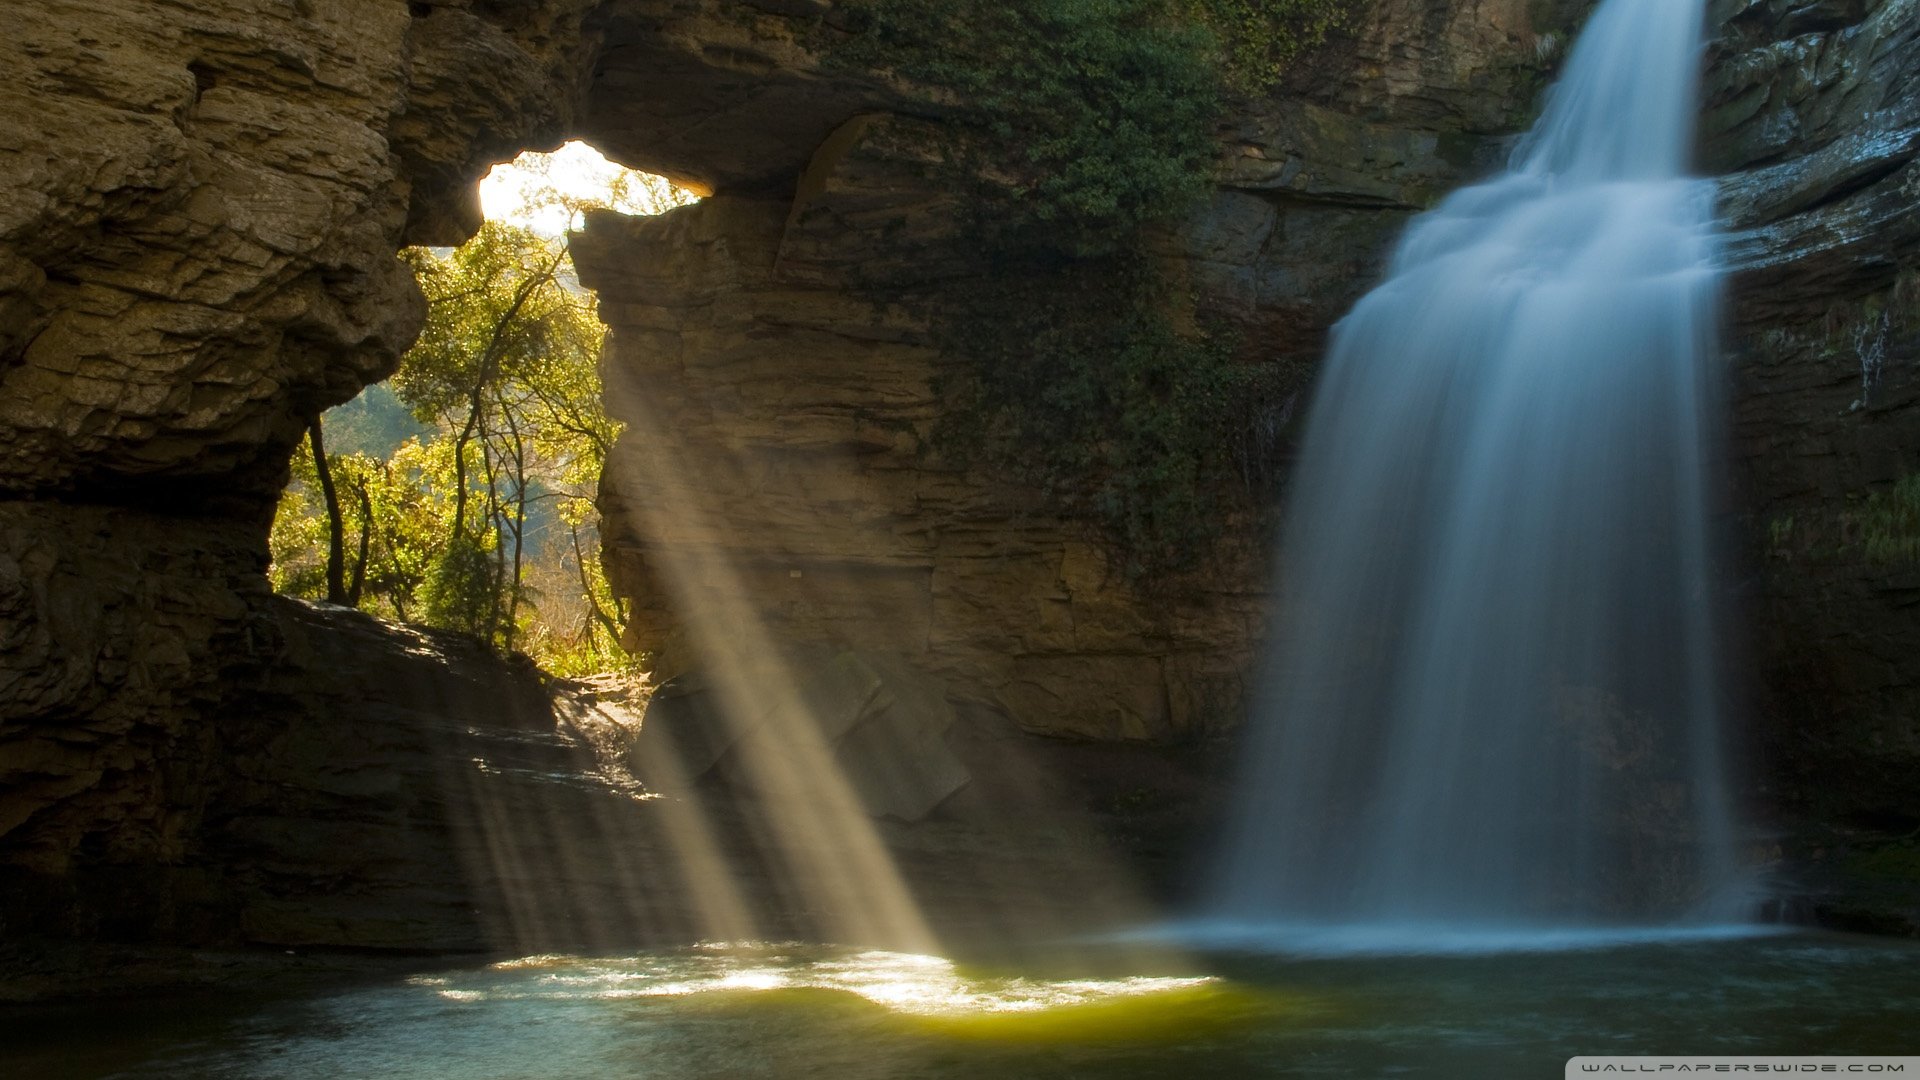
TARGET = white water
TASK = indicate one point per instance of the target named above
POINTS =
(1491, 709)
(1440, 938)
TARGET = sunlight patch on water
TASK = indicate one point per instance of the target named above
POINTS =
(903, 983)
(683, 1016)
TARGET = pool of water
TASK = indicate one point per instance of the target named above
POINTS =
(811, 1011)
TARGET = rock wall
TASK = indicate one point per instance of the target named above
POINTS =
(340, 783)
(199, 210)
(797, 417)
(199, 205)
(1814, 120)
(781, 395)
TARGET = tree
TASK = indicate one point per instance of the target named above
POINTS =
(398, 512)
(506, 364)
(336, 538)
(484, 521)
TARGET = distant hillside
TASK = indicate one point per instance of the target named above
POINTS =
(375, 424)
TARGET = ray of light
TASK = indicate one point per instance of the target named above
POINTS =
(828, 853)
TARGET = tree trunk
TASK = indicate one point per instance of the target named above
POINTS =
(366, 543)
(519, 524)
(336, 529)
(483, 377)
(495, 520)
(586, 588)
(460, 466)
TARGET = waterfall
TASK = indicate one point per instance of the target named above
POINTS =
(1492, 696)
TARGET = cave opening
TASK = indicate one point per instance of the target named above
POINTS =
(464, 493)
(903, 704)
(459, 492)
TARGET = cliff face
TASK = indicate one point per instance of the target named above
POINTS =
(199, 205)
(771, 361)
(1814, 119)
(199, 208)
(777, 452)
(202, 205)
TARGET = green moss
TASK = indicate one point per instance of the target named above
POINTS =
(1889, 523)
(1780, 537)
(1258, 39)
(1081, 385)
(1078, 121)
(1894, 863)
(1880, 527)
(1078, 127)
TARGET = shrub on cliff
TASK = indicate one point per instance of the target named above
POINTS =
(1079, 126)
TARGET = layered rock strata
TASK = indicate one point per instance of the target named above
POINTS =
(771, 360)
(199, 205)
(334, 782)
(1814, 122)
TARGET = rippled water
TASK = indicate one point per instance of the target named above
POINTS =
(805, 1011)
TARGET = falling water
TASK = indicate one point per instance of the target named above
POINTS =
(1493, 698)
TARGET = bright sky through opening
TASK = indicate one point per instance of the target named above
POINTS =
(542, 192)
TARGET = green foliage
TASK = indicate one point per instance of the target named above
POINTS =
(1780, 537)
(376, 424)
(298, 542)
(484, 523)
(1083, 125)
(461, 592)
(1889, 523)
(1082, 119)
(1258, 39)
(1108, 407)
(506, 369)
(1880, 527)
(398, 504)
(494, 305)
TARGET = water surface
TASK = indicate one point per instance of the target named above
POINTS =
(811, 1011)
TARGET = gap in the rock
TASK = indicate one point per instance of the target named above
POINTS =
(504, 373)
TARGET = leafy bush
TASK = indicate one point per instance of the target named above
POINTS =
(1889, 523)
(460, 592)
(1081, 119)
(1258, 39)
(1082, 125)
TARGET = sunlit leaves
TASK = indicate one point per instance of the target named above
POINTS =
(398, 506)
(486, 523)
(1258, 39)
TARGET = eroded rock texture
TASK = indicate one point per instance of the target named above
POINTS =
(199, 209)
(341, 783)
(199, 205)
(781, 394)
(202, 201)
(1814, 117)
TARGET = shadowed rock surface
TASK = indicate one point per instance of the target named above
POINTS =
(1814, 119)
(199, 206)
(774, 348)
